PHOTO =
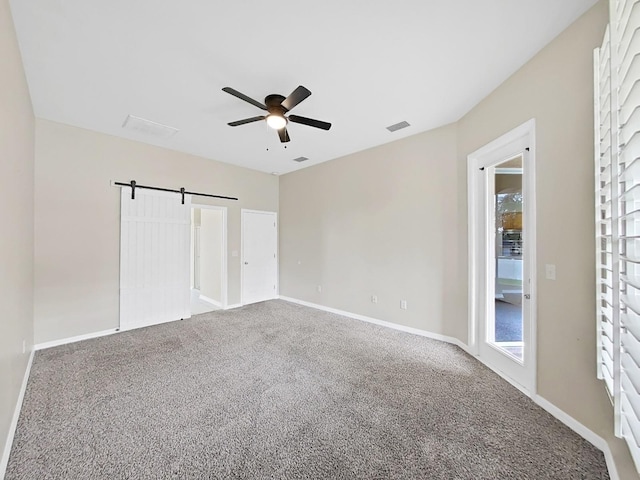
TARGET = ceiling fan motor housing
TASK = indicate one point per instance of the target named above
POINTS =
(274, 104)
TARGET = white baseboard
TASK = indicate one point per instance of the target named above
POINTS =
(591, 437)
(611, 464)
(565, 418)
(14, 421)
(395, 326)
(235, 305)
(210, 301)
(79, 338)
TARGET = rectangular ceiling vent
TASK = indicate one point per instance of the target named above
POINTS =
(148, 127)
(398, 126)
(300, 159)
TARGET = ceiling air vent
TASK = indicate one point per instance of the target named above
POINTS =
(398, 126)
(300, 159)
(148, 127)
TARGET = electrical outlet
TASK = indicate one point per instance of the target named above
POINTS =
(374, 299)
(319, 288)
(403, 304)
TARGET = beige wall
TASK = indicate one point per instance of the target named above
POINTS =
(379, 222)
(77, 219)
(393, 221)
(211, 254)
(16, 217)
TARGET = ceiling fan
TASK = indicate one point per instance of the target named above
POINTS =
(278, 106)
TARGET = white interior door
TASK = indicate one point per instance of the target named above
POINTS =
(259, 256)
(502, 254)
(154, 258)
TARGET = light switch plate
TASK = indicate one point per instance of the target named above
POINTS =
(550, 271)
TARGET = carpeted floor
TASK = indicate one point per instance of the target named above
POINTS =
(276, 390)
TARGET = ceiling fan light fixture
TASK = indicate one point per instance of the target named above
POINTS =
(276, 121)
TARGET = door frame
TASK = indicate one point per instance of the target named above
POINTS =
(476, 204)
(275, 214)
(224, 277)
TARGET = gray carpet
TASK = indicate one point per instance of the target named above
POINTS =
(276, 390)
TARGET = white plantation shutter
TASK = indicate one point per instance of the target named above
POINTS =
(617, 162)
(606, 280)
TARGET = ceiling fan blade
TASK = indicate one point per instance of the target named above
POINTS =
(310, 122)
(284, 135)
(246, 120)
(242, 96)
(298, 95)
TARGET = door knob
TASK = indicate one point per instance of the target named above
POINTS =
(246, 263)
(527, 296)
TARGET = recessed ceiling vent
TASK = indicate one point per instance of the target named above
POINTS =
(398, 126)
(148, 127)
(300, 159)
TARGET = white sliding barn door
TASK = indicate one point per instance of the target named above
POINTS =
(259, 256)
(154, 258)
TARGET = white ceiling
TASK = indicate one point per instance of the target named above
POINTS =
(369, 64)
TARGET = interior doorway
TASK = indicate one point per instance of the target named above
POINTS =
(208, 258)
(502, 255)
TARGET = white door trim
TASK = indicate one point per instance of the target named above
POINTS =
(242, 212)
(485, 156)
(224, 277)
